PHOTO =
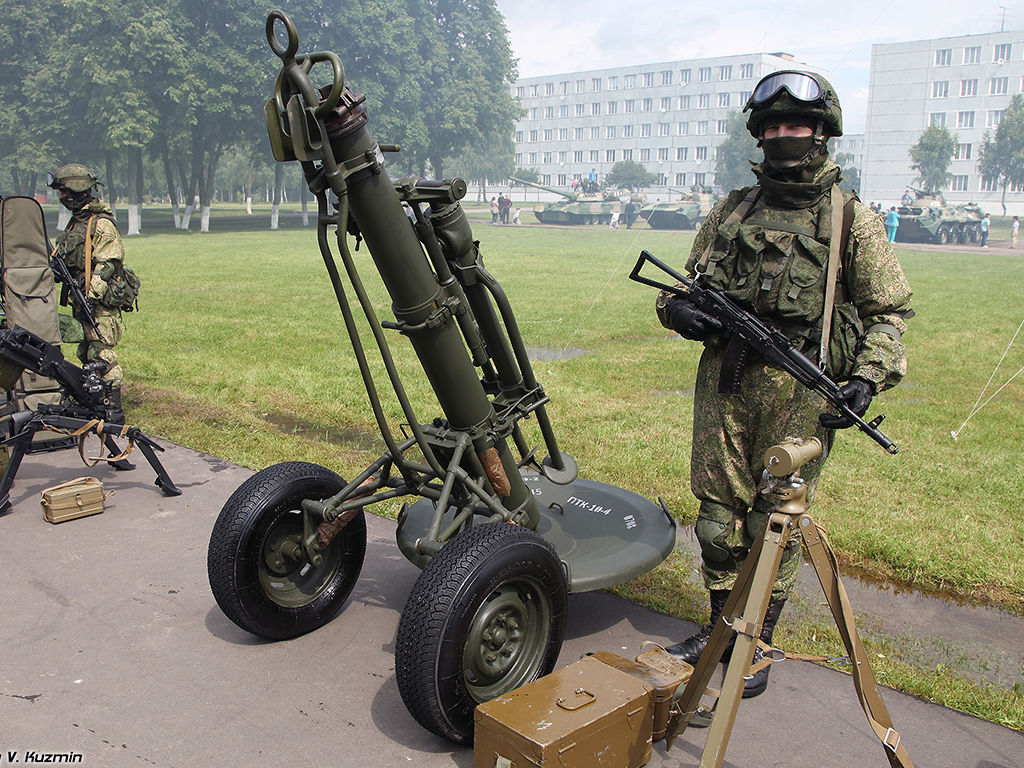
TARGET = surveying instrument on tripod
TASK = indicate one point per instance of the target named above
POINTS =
(745, 609)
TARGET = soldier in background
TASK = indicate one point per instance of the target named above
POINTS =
(767, 248)
(91, 245)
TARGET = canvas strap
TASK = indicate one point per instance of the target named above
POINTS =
(88, 253)
(834, 256)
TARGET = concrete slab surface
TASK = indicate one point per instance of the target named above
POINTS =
(113, 651)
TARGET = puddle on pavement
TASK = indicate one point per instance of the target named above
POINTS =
(350, 437)
(540, 354)
(979, 642)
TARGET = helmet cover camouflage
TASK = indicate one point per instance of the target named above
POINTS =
(74, 177)
(794, 95)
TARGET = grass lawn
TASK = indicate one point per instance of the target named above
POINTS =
(239, 350)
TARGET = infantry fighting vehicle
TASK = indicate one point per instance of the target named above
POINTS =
(686, 213)
(591, 205)
(929, 219)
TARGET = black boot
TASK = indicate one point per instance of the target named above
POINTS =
(755, 684)
(690, 649)
(115, 415)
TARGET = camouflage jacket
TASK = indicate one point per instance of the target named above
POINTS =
(773, 263)
(107, 248)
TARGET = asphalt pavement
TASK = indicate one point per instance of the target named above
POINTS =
(114, 653)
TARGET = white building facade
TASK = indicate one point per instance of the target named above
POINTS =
(668, 117)
(963, 83)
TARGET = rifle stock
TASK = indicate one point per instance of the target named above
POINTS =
(773, 345)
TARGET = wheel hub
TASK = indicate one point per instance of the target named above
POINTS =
(496, 640)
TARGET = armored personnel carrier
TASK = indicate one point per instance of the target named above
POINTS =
(686, 213)
(591, 205)
(930, 219)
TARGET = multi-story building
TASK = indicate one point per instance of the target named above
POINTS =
(963, 83)
(668, 117)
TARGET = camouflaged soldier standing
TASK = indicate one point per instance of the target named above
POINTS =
(767, 247)
(93, 231)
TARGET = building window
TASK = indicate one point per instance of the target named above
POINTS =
(610, 132)
(595, 132)
(723, 99)
(647, 80)
(595, 108)
(723, 126)
(725, 73)
(577, 134)
(519, 137)
(998, 86)
(959, 183)
(702, 128)
(1002, 52)
(666, 77)
(627, 131)
(563, 157)
(684, 76)
(968, 87)
(533, 158)
(989, 185)
(666, 103)
(613, 83)
(613, 107)
(577, 156)
(704, 74)
(698, 179)
(664, 129)
(704, 101)
(645, 155)
(940, 89)
(962, 152)
(972, 54)
(595, 84)
(684, 101)
(937, 119)
(533, 135)
(630, 106)
(549, 113)
(549, 89)
(535, 90)
(681, 153)
(965, 119)
(519, 159)
(629, 81)
(563, 110)
(700, 154)
(595, 155)
(562, 179)
(993, 118)
(548, 134)
(521, 92)
(662, 154)
(563, 87)
(548, 157)
(744, 97)
(609, 155)
(943, 57)
(746, 71)
(647, 105)
(680, 179)
(627, 154)
(581, 110)
(645, 129)
(545, 178)
(684, 129)
(533, 113)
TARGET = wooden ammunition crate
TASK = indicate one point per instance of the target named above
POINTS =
(585, 715)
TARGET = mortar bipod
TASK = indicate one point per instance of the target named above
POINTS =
(747, 604)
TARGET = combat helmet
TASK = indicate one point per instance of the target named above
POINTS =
(791, 94)
(73, 177)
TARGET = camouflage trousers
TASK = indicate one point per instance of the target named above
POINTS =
(730, 437)
(101, 348)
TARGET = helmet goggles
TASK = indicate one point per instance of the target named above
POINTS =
(799, 85)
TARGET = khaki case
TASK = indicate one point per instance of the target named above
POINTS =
(80, 497)
(663, 680)
(585, 715)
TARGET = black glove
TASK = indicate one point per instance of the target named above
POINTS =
(688, 321)
(857, 393)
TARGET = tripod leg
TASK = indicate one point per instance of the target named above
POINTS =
(19, 447)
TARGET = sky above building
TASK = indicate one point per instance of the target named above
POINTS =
(555, 36)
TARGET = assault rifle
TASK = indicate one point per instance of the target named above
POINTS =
(69, 288)
(771, 343)
(83, 410)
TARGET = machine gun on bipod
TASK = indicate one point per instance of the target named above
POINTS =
(82, 410)
(502, 539)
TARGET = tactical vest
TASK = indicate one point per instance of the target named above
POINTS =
(774, 261)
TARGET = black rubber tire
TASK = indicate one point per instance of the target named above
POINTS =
(498, 579)
(944, 235)
(278, 604)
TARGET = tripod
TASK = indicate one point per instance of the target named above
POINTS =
(745, 609)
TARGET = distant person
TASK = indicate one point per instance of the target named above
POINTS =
(504, 204)
(592, 176)
(907, 198)
(494, 210)
(630, 211)
(986, 222)
(892, 223)
(1014, 230)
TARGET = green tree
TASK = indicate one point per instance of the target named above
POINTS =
(732, 161)
(931, 157)
(492, 162)
(525, 174)
(1002, 158)
(631, 175)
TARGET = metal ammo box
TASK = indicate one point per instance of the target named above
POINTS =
(585, 715)
(663, 675)
(76, 498)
